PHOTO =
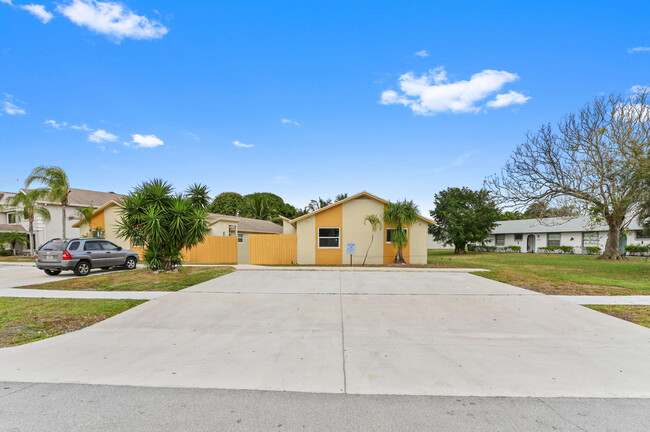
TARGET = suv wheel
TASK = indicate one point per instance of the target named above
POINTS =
(130, 263)
(52, 272)
(82, 268)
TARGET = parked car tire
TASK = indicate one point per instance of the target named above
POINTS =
(52, 272)
(82, 268)
(130, 263)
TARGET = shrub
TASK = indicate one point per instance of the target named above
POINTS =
(5, 253)
(556, 249)
(637, 249)
(593, 250)
(512, 248)
(484, 248)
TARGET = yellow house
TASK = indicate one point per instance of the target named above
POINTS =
(323, 236)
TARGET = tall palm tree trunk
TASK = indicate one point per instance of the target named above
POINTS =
(63, 221)
(31, 237)
(368, 250)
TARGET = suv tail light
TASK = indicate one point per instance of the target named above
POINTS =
(36, 255)
(66, 256)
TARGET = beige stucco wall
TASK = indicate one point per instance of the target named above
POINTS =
(221, 228)
(287, 228)
(418, 246)
(306, 240)
(111, 220)
(355, 231)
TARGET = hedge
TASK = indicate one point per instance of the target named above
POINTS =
(593, 250)
(557, 249)
(637, 250)
(482, 248)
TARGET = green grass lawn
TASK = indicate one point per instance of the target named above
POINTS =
(138, 280)
(16, 259)
(555, 274)
(636, 314)
(24, 320)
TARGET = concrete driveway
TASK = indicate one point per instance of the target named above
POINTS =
(13, 275)
(354, 332)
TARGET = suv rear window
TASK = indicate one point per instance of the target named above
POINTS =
(54, 245)
(73, 246)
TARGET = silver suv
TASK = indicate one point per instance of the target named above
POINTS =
(82, 254)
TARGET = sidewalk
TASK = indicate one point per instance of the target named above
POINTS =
(341, 268)
(70, 294)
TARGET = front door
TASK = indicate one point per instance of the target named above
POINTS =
(530, 243)
(622, 243)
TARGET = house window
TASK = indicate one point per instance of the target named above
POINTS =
(390, 231)
(589, 239)
(640, 235)
(499, 239)
(553, 239)
(240, 238)
(11, 218)
(98, 233)
(329, 238)
(519, 236)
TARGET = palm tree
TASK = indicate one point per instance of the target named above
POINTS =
(26, 203)
(199, 195)
(375, 224)
(318, 204)
(341, 197)
(85, 214)
(257, 207)
(56, 186)
(400, 214)
(14, 238)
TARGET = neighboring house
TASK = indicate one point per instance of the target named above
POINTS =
(44, 231)
(4, 227)
(323, 235)
(106, 218)
(578, 232)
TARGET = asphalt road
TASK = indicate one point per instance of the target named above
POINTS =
(73, 407)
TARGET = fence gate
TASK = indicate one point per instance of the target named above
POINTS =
(272, 249)
(213, 250)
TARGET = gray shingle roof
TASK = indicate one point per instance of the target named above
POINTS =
(554, 225)
(248, 224)
(12, 228)
(84, 197)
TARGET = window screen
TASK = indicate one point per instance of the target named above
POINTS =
(519, 236)
(500, 239)
(553, 239)
(329, 237)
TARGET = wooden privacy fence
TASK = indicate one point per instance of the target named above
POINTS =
(272, 249)
(214, 249)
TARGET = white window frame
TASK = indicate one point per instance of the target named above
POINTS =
(386, 234)
(521, 236)
(548, 239)
(337, 237)
(496, 239)
(240, 238)
(596, 240)
(638, 235)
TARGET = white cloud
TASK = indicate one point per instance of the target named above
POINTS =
(145, 141)
(82, 127)
(241, 144)
(638, 50)
(192, 135)
(55, 124)
(7, 2)
(38, 11)
(433, 93)
(639, 88)
(112, 19)
(9, 107)
(281, 180)
(422, 53)
(460, 160)
(507, 99)
(288, 122)
(100, 136)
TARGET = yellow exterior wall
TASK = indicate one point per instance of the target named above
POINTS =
(214, 249)
(112, 219)
(332, 218)
(272, 249)
(390, 250)
(353, 214)
(418, 243)
(306, 244)
(97, 222)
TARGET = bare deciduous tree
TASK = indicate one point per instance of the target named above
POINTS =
(596, 159)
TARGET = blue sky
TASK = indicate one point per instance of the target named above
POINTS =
(401, 99)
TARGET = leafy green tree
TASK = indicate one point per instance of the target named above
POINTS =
(26, 203)
(163, 222)
(543, 209)
(401, 214)
(55, 185)
(463, 216)
(375, 225)
(258, 206)
(511, 215)
(227, 203)
(341, 197)
(199, 195)
(14, 238)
